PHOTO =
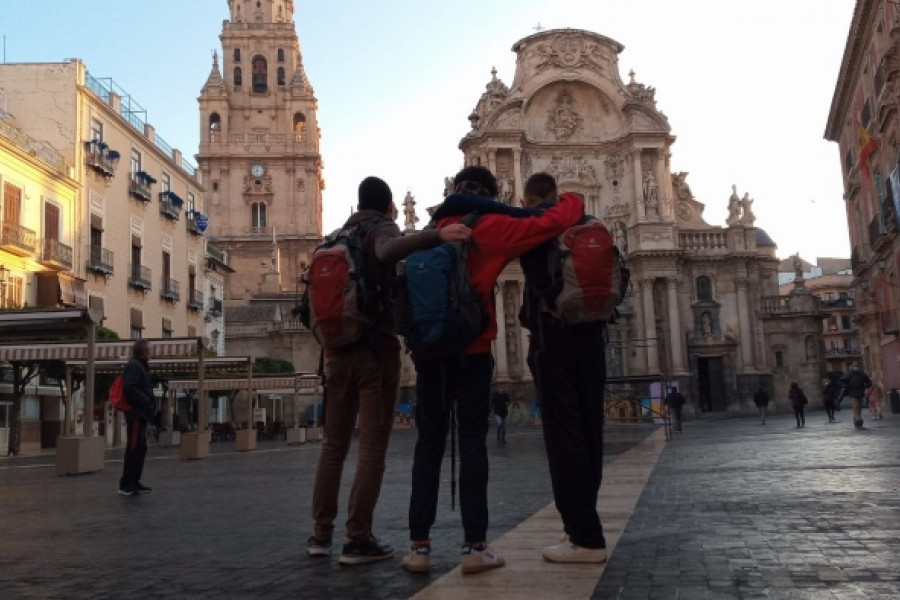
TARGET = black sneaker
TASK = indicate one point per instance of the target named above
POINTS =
(316, 548)
(371, 550)
(127, 491)
(142, 489)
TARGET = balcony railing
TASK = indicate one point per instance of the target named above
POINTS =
(216, 253)
(56, 254)
(139, 277)
(195, 300)
(100, 158)
(215, 308)
(833, 352)
(703, 242)
(140, 185)
(171, 290)
(17, 240)
(170, 205)
(196, 222)
(100, 260)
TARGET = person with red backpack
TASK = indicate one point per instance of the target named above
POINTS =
(352, 316)
(137, 388)
(566, 356)
(462, 379)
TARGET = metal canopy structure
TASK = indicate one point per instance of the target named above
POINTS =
(170, 348)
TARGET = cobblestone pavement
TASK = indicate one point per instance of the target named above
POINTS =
(739, 510)
(235, 525)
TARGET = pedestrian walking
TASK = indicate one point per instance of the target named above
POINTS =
(761, 399)
(137, 387)
(831, 392)
(567, 361)
(500, 404)
(675, 401)
(363, 381)
(875, 394)
(798, 402)
(501, 234)
(856, 382)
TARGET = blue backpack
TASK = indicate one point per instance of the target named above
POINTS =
(439, 311)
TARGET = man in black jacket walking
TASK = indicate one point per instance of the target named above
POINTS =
(138, 390)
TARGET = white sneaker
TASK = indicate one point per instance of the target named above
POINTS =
(570, 553)
(417, 560)
(478, 561)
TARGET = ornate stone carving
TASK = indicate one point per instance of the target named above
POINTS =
(505, 186)
(641, 122)
(683, 211)
(734, 207)
(300, 184)
(616, 211)
(258, 185)
(572, 169)
(655, 236)
(563, 120)
(510, 119)
(614, 166)
(747, 216)
(650, 188)
(409, 211)
(569, 51)
(681, 187)
(448, 186)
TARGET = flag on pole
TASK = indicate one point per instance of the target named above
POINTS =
(867, 145)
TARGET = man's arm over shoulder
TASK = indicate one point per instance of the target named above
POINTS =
(516, 236)
(391, 247)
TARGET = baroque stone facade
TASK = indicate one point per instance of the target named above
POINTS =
(694, 312)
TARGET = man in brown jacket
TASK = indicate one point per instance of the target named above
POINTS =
(363, 380)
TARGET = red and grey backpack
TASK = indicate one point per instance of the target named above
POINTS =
(342, 304)
(588, 277)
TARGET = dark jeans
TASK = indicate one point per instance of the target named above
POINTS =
(135, 452)
(829, 410)
(501, 428)
(801, 418)
(569, 369)
(363, 389)
(440, 383)
(675, 415)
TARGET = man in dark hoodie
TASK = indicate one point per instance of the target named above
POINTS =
(501, 234)
(363, 381)
(137, 386)
(569, 368)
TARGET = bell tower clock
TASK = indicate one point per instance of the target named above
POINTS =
(259, 147)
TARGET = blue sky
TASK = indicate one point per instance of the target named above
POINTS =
(746, 86)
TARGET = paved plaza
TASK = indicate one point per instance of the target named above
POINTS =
(728, 509)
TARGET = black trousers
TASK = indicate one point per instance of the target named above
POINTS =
(439, 383)
(829, 410)
(569, 369)
(798, 414)
(135, 452)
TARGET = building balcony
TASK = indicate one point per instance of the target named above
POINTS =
(17, 240)
(703, 242)
(140, 186)
(139, 277)
(56, 255)
(170, 205)
(842, 352)
(171, 290)
(100, 159)
(195, 300)
(196, 222)
(215, 253)
(100, 261)
(215, 309)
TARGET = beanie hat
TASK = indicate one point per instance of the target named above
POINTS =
(375, 194)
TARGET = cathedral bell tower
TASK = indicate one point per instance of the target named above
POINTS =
(259, 148)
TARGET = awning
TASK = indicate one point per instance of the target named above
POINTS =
(105, 350)
(303, 383)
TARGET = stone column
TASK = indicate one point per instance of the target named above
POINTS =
(492, 160)
(519, 187)
(676, 340)
(662, 195)
(649, 325)
(639, 185)
(744, 318)
(500, 345)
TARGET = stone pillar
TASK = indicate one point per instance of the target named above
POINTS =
(500, 345)
(639, 185)
(519, 186)
(492, 160)
(676, 340)
(662, 195)
(744, 318)
(649, 325)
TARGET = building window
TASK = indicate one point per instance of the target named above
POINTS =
(832, 324)
(258, 215)
(281, 55)
(215, 123)
(96, 130)
(12, 203)
(52, 221)
(237, 77)
(779, 359)
(166, 184)
(299, 126)
(845, 322)
(167, 331)
(260, 75)
(280, 75)
(190, 202)
(237, 55)
(135, 162)
(704, 289)
(135, 261)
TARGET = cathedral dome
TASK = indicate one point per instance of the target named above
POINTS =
(763, 239)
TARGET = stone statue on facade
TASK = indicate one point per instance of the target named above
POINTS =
(650, 188)
(798, 268)
(734, 207)
(506, 190)
(747, 216)
(448, 186)
(409, 211)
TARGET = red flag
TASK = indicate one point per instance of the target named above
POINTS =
(867, 145)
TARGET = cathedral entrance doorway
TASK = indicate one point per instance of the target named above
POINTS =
(711, 383)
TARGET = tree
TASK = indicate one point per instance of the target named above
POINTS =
(264, 364)
(23, 374)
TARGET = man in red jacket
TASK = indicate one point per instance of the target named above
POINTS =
(501, 234)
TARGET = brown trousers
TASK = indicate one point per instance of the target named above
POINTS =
(360, 382)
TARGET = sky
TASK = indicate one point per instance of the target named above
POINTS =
(746, 86)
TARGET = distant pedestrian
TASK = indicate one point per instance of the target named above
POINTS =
(798, 401)
(500, 403)
(761, 398)
(875, 394)
(675, 401)
(831, 392)
(856, 381)
(138, 389)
